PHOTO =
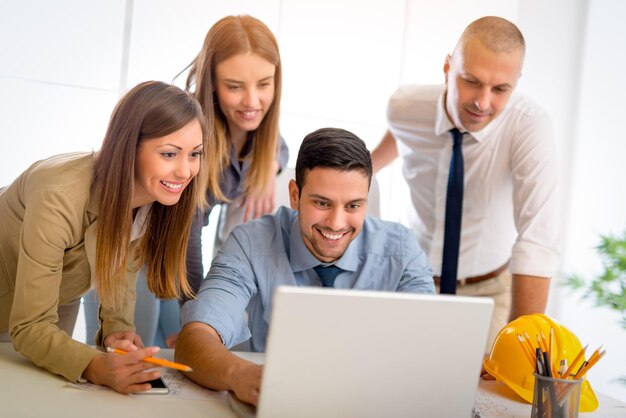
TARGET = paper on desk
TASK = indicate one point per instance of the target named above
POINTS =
(180, 387)
(490, 404)
(496, 400)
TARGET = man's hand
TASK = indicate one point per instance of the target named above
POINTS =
(200, 346)
(246, 383)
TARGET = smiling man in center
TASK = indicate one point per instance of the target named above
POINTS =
(325, 240)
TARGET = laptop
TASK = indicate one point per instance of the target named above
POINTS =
(355, 353)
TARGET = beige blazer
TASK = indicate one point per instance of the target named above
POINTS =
(48, 222)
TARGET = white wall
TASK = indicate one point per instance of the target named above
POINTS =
(596, 201)
(63, 65)
(59, 75)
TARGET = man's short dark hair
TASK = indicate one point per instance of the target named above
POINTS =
(332, 148)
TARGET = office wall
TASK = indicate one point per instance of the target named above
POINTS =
(64, 64)
(596, 203)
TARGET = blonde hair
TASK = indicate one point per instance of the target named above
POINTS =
(234, 35)
(150, 110)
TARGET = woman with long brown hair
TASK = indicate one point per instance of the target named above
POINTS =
(79, 220)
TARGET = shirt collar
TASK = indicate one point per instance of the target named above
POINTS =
(443, 124)
(301, 258)
(139, 223)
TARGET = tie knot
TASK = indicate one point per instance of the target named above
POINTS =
(327, 274)
(457, 136)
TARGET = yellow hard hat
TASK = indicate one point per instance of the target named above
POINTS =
(508, 363)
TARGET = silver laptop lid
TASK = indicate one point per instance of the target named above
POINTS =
(354, 353)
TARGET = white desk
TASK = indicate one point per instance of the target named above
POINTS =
(28, 391)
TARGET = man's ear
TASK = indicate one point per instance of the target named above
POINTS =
(294, 195)
(446, 67)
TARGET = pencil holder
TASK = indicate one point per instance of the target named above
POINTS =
(555, 398)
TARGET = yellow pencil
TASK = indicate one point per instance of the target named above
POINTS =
(157, 361)
(594, 361)
(529, 356)
(591, 358)
(544, 343)
(581, 354)
(540, 344)
(595, 357)
(562, 368)
(529, 343)
(551, 341)
(551, 351)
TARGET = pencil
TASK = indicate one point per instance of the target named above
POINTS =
(562, 368)
(583, 366)
(551, 341)
(544, 342)
(551, 352)
(595, 357)
(595, 354)
(581, 354)
(525, 350)
(526, 337)
(157, 361)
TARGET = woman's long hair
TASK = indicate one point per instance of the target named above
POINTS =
(234, 35)
(150, 110)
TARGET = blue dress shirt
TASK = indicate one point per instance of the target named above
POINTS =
(268, 252)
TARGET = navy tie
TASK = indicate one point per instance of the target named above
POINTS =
(327, 274)
(454, 211)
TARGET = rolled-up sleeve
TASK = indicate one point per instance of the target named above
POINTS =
(225, 292)
(535, 200)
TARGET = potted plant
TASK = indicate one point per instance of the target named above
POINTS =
(609, 288)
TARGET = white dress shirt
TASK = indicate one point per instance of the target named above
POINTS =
(510, 203)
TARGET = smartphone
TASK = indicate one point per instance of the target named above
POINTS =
(159, 387)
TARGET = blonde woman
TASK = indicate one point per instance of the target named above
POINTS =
(236, 77)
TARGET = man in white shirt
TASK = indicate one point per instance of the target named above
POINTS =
(509, 226)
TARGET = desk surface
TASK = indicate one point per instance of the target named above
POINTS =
(28, 391)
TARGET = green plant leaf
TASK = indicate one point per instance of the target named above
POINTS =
(609, 288)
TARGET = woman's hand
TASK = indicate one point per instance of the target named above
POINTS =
(125, 340)
(124, 373)
(170, 340)
(257, 204)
